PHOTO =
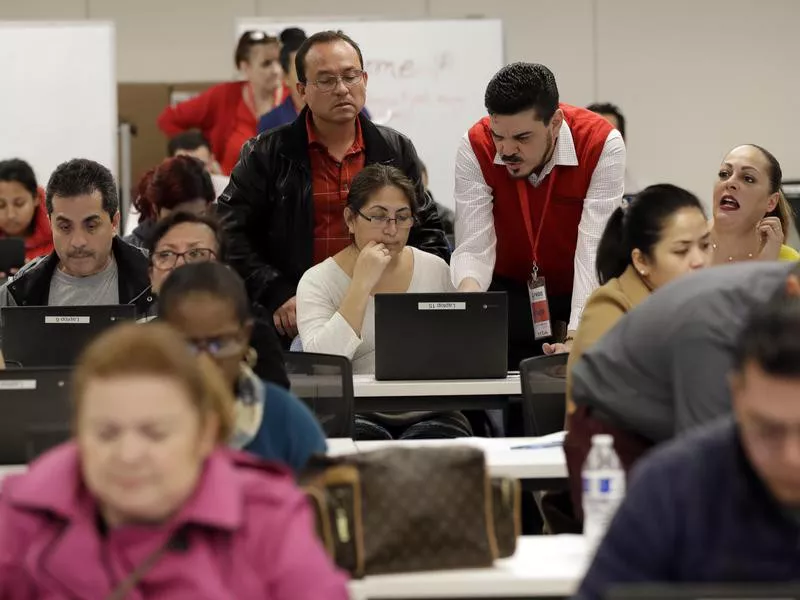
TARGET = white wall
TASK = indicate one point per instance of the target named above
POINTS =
(694, 77)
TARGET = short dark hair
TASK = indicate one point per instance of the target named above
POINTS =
(17, 170)
(639, 224)
(187, 141)
(374, 178)
(81, 176)
(523, 86)
(322, 37)
(292, 35)
(289, 46)
(213, 278)
(246, 42)
(165, 225)
(606, 108)
(771, 336)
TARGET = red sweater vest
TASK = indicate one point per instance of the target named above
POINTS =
(556, 252)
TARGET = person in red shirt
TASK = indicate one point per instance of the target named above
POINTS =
(228, 113)
(22, 210)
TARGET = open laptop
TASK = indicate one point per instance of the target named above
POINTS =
(441, 336)
(719, 591)
(35, 409)
(54, 336)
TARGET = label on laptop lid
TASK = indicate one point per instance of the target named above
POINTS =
(441, 306)
(68, 319)
(18, 384)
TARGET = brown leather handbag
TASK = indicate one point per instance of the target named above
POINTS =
(412, 509)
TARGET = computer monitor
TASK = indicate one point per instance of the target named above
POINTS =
(34, 412)
(54, 336)
(441, 336)
(12, 255)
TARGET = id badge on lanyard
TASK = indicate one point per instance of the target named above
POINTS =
(540, 308)
(537, 289)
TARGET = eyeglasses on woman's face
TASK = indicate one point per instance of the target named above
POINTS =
(220, 346)
(381, 221)
(168, 259)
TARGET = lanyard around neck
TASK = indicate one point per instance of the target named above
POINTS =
(525, 205)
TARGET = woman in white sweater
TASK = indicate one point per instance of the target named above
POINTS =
(335, 299)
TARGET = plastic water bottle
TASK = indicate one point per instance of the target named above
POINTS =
(603, 488)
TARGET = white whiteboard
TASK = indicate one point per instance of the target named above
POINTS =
(59, 93)
(426, 79)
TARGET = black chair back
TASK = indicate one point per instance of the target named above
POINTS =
(791, 189)
(544, 385)
(325, 383)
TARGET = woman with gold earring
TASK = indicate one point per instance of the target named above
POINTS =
(207, 303)
(751, 214)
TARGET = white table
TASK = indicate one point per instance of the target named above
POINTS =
(366, 386)
(542, 566)
(338, 446)
(502, 458)
(11, 470)
(372, 395)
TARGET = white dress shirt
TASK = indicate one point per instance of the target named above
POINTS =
(476, 240)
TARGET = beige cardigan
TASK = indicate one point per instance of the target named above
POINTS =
(603, 309)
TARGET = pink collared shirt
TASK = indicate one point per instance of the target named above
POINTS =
(247, 534)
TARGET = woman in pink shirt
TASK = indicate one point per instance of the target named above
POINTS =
(145, 503)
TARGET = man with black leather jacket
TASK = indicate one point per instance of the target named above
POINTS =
(90, 264)
(284, 205)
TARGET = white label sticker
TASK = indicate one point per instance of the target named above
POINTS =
(18, 384)
(55, 320)
(442, 306)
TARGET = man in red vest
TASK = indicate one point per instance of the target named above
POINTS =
(536, 181)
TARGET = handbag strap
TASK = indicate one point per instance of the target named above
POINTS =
(135, 577)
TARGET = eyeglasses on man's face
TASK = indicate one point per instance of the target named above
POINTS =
(328, 83)
(168, 259)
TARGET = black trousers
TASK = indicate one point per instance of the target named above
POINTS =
(521, 344)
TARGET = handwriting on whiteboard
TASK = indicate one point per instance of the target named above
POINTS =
(409, 68)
